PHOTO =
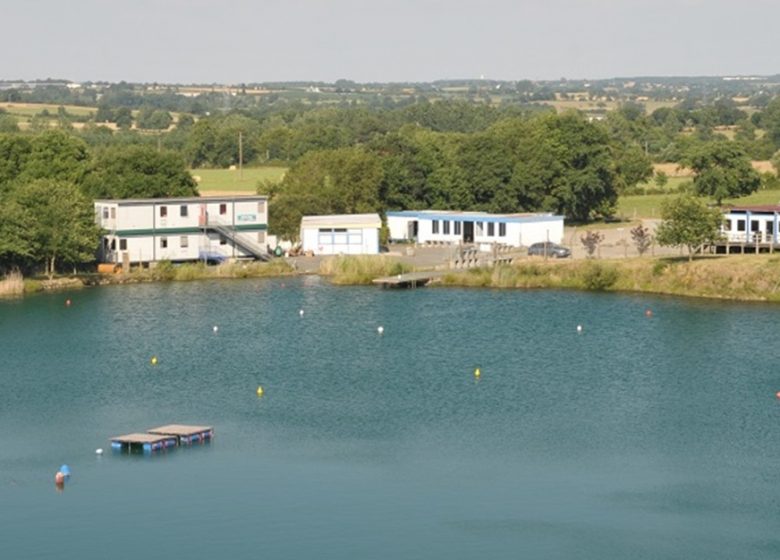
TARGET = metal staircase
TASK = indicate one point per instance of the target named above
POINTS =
(238, 239)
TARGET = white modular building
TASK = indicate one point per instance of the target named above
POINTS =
(182, 229)
(752, 224)
(347, 234)
(444, 226)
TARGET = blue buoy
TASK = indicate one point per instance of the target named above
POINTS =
(65, 470)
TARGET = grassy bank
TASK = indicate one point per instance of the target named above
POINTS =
(749, 278)
(168, 272)
(360, 269)
(163, 272)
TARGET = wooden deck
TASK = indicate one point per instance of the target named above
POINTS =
(143, 442)
(184, 433)
(408, 280)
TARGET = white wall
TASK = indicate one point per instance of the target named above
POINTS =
(517, 233)
(353, 241)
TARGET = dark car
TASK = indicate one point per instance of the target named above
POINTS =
(549, 249)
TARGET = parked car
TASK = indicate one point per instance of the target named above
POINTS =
(549, 249)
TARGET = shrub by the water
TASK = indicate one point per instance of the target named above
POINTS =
(360, 269)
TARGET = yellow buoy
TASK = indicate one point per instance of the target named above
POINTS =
(477, 373)
(154, 360)
(259, 390)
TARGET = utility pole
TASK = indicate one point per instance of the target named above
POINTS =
(240, 156)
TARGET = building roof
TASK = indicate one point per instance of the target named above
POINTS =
(459, 216)
(182, 200)
(342, 221)
(757, 208)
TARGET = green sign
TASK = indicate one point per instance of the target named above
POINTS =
(246, 217)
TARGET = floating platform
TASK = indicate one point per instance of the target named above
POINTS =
(184, 434)
(143, 442)
(408, 280)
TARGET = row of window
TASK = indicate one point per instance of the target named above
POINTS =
(184, 241)
(184, 210)
(770, 226)
(456, 227)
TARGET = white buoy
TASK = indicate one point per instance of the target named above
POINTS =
(98, 451)
(579, 328)
(380, 329)
(300, 312)
(215, 329)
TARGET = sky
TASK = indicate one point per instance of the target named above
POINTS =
(248, 41)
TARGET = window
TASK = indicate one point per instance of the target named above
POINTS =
(113, 244)
(123, 244)
(502, 229)
(261, 207)
(770, 228)
(753, 225)
(457, 228)
(435, 226)
(183, 210)
(184, 242)
(113, 213)
(105, 212)
(261, 237)
(163, 211)
(740, 225)
(491, 229)
(727, 225)
(446, 224)
(163, 243)
(222, 209)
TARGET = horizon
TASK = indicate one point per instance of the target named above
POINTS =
(239, 41)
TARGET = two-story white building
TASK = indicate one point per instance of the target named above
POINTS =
(444, 226)
(182, 229)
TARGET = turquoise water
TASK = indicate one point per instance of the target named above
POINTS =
(639, 438)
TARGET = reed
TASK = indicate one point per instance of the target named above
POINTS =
(12, 284)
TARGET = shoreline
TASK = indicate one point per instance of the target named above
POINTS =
(748, 278)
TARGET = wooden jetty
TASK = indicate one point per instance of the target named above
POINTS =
(408, 280)
(143, 442)
(184, 434)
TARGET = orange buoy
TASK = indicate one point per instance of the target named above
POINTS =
(67, 303)
(648, 312)
(59, 478)
(777, 394)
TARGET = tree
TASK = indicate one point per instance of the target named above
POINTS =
(58, 220)
(642, 238)
(591, 241)
(343, 181)
(661, 179)
(722, 170)
(688, 222)
(138, 172)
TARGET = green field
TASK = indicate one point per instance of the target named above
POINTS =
(219, 180)
(649, 206)
(25, 111)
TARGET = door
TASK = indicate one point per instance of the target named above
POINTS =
(468, 232)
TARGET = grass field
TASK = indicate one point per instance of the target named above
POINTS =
(225, 180)
(649, 206)
(24, 111)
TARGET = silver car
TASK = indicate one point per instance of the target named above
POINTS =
(549, 249)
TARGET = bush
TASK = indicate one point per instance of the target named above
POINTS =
(599, 277)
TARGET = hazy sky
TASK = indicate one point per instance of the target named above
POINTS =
(233, 41)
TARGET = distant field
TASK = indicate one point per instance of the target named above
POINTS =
(649, 206)
(580, 105)
(26, 110)
(223, 180)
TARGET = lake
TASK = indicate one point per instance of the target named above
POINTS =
(640, 437)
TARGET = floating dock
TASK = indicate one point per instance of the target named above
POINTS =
(143, 442)
(408, 280)
(184, 434)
